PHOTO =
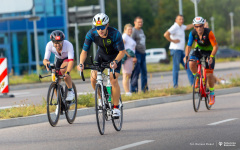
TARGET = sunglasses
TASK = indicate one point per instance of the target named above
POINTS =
(100, 27)
(57, 42)
(198, 26)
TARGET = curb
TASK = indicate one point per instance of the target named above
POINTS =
(127, 105)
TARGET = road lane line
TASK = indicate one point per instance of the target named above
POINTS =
(132, 145)
(215, 123)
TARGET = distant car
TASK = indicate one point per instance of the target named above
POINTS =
(156, 55)
(227, 53)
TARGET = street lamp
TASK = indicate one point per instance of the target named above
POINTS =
(195, 2)
(212, 23)
(232, 28)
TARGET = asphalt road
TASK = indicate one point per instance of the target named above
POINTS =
(35, 95)
(167, 126)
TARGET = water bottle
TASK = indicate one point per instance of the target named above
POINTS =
(109, 90)
(53, 75)
(203, 79)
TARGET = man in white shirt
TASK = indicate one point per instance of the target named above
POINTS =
(176, 35)
(64, 56)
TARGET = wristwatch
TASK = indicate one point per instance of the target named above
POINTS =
(68, 73)
(116, 61)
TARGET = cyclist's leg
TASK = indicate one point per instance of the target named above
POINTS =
(67, 79)
(211, 81)
(93, 78)
(115, 85)
(115, 88)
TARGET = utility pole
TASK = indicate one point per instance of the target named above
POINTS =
(180, 7)
(212, 23)
(232, 27)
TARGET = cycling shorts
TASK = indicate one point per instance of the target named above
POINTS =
(100, 57)
(196, 55)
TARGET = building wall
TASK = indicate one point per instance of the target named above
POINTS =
(17, 37)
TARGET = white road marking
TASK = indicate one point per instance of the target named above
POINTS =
(133, 145)
(215, 123)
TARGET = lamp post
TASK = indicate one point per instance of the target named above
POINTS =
(232, 28)
(212, 23)
(195, 2)
(180, 7)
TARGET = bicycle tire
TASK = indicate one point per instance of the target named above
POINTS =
(197, 96)
(100, 111)
(53, 104)
(207, 101)
(71, 110)
(117, 122)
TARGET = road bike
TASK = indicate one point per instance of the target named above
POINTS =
(103, 101)
(56, 98)
(200, 89)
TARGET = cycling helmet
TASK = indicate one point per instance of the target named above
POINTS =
(198, 20)
(57, 35)
(100, 19)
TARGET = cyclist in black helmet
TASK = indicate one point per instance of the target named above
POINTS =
(64, 55)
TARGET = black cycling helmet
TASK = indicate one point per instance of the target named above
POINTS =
(57, 35)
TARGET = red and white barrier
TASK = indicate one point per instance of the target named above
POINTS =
(3, 76)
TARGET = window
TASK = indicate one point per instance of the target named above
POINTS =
(157, 53)
(148, 53)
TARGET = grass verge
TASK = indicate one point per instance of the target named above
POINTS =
(33, 78)
(88, 100)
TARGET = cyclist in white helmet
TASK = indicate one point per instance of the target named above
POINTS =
(208, 45)
(110, 48)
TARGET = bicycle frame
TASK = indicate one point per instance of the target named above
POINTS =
(203, 84)
(100, 82)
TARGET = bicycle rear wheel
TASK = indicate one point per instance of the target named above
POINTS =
(117, 122)
(53, 104)
(71, 110)
(197, 97)
(100, 110)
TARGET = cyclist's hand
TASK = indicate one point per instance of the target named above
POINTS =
(80, 68)
(210, 60)
(176, 41)
(66, 76)
(113, 65)
(48, 64)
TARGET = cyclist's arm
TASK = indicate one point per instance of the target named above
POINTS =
(45, 62)
(83, 56)
(189, 44)
(214, 43)
(47, 54)
(187, 50)
(120, 55)
(70, 66)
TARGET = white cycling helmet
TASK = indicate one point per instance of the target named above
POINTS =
(198, 20)
(100, 19)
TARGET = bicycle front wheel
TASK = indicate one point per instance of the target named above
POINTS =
(197, 97)
(71, 110)
(53, 104)
(207, 101)
(117, 122)
(100, 110)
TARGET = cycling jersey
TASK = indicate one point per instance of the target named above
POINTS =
(67, 51)
(206, 43)
(108, 47)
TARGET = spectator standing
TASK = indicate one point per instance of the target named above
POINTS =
(176, 35)
(140, 67)
(127, 61)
